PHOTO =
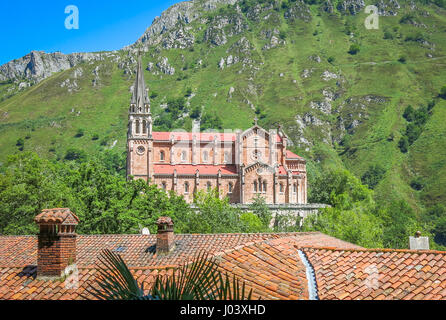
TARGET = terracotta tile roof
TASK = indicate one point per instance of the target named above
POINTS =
(139, 250)
(58, 215)
(292, 155)
(18, 258)
(203, 136)
(274, 265)
(271, 268)
(191, 169)
(379, 274)
(187, 136)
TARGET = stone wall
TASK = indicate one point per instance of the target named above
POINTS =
(291, 210)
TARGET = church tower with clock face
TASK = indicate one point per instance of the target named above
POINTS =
(139, 136)
(241, 166)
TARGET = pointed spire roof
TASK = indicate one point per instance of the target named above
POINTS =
(140, 95)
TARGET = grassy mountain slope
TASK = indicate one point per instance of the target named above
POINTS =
(293, 64)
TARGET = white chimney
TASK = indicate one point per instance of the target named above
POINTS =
(418, 242)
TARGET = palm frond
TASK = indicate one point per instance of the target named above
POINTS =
(114, 281)
(200, 279)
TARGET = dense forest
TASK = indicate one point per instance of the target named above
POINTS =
(96, 189)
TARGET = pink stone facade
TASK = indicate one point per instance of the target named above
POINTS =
(241, 165)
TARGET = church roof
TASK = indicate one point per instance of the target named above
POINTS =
(191, 169)
(203, 136)
(292, 155)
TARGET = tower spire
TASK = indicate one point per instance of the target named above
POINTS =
(140, 96)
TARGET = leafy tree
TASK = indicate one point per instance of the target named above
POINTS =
(440, 231)
(211, 122)
(356, 225)
(400, 222)
(260, 209)
(338, 186)
(75, 154)
(215, 215)
(373, 175)
(28, 185)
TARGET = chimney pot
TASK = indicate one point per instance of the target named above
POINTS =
(165, 235)
(56, 241)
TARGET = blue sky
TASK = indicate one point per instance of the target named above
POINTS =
(103, 25)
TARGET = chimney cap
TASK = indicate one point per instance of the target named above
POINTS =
(57, 216)
(164, 221)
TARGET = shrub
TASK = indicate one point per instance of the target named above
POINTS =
(388, 35)
(80, 133)
(75, 154)
(354, 49)
(443, 92)
(153, 95)
(417, 184)
(403, 144)
(195, 114)
(331, 59)
(20, 142)
(402, 59)
(409, 113)
(95, 137)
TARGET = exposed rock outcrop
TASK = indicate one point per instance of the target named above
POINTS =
(38, 65)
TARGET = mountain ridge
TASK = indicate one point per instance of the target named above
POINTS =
(288, 62)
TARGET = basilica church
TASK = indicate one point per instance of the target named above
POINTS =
(241, 165)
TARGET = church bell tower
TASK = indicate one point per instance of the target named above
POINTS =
(139, 135)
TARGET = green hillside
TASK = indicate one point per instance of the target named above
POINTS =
(293, 67)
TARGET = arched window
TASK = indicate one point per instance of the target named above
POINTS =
(281, 187)
(294, 188)
(255, 186)
(209, 186)
(137, 128)
(230, 187)
(183, 156)
(144, 126)
(162, 156)
(227, 157)
(260, 185)
(186, 187)
(205, 156)
(264, 186)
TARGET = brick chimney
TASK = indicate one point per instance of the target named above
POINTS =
(165, 236)
(56, 241)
